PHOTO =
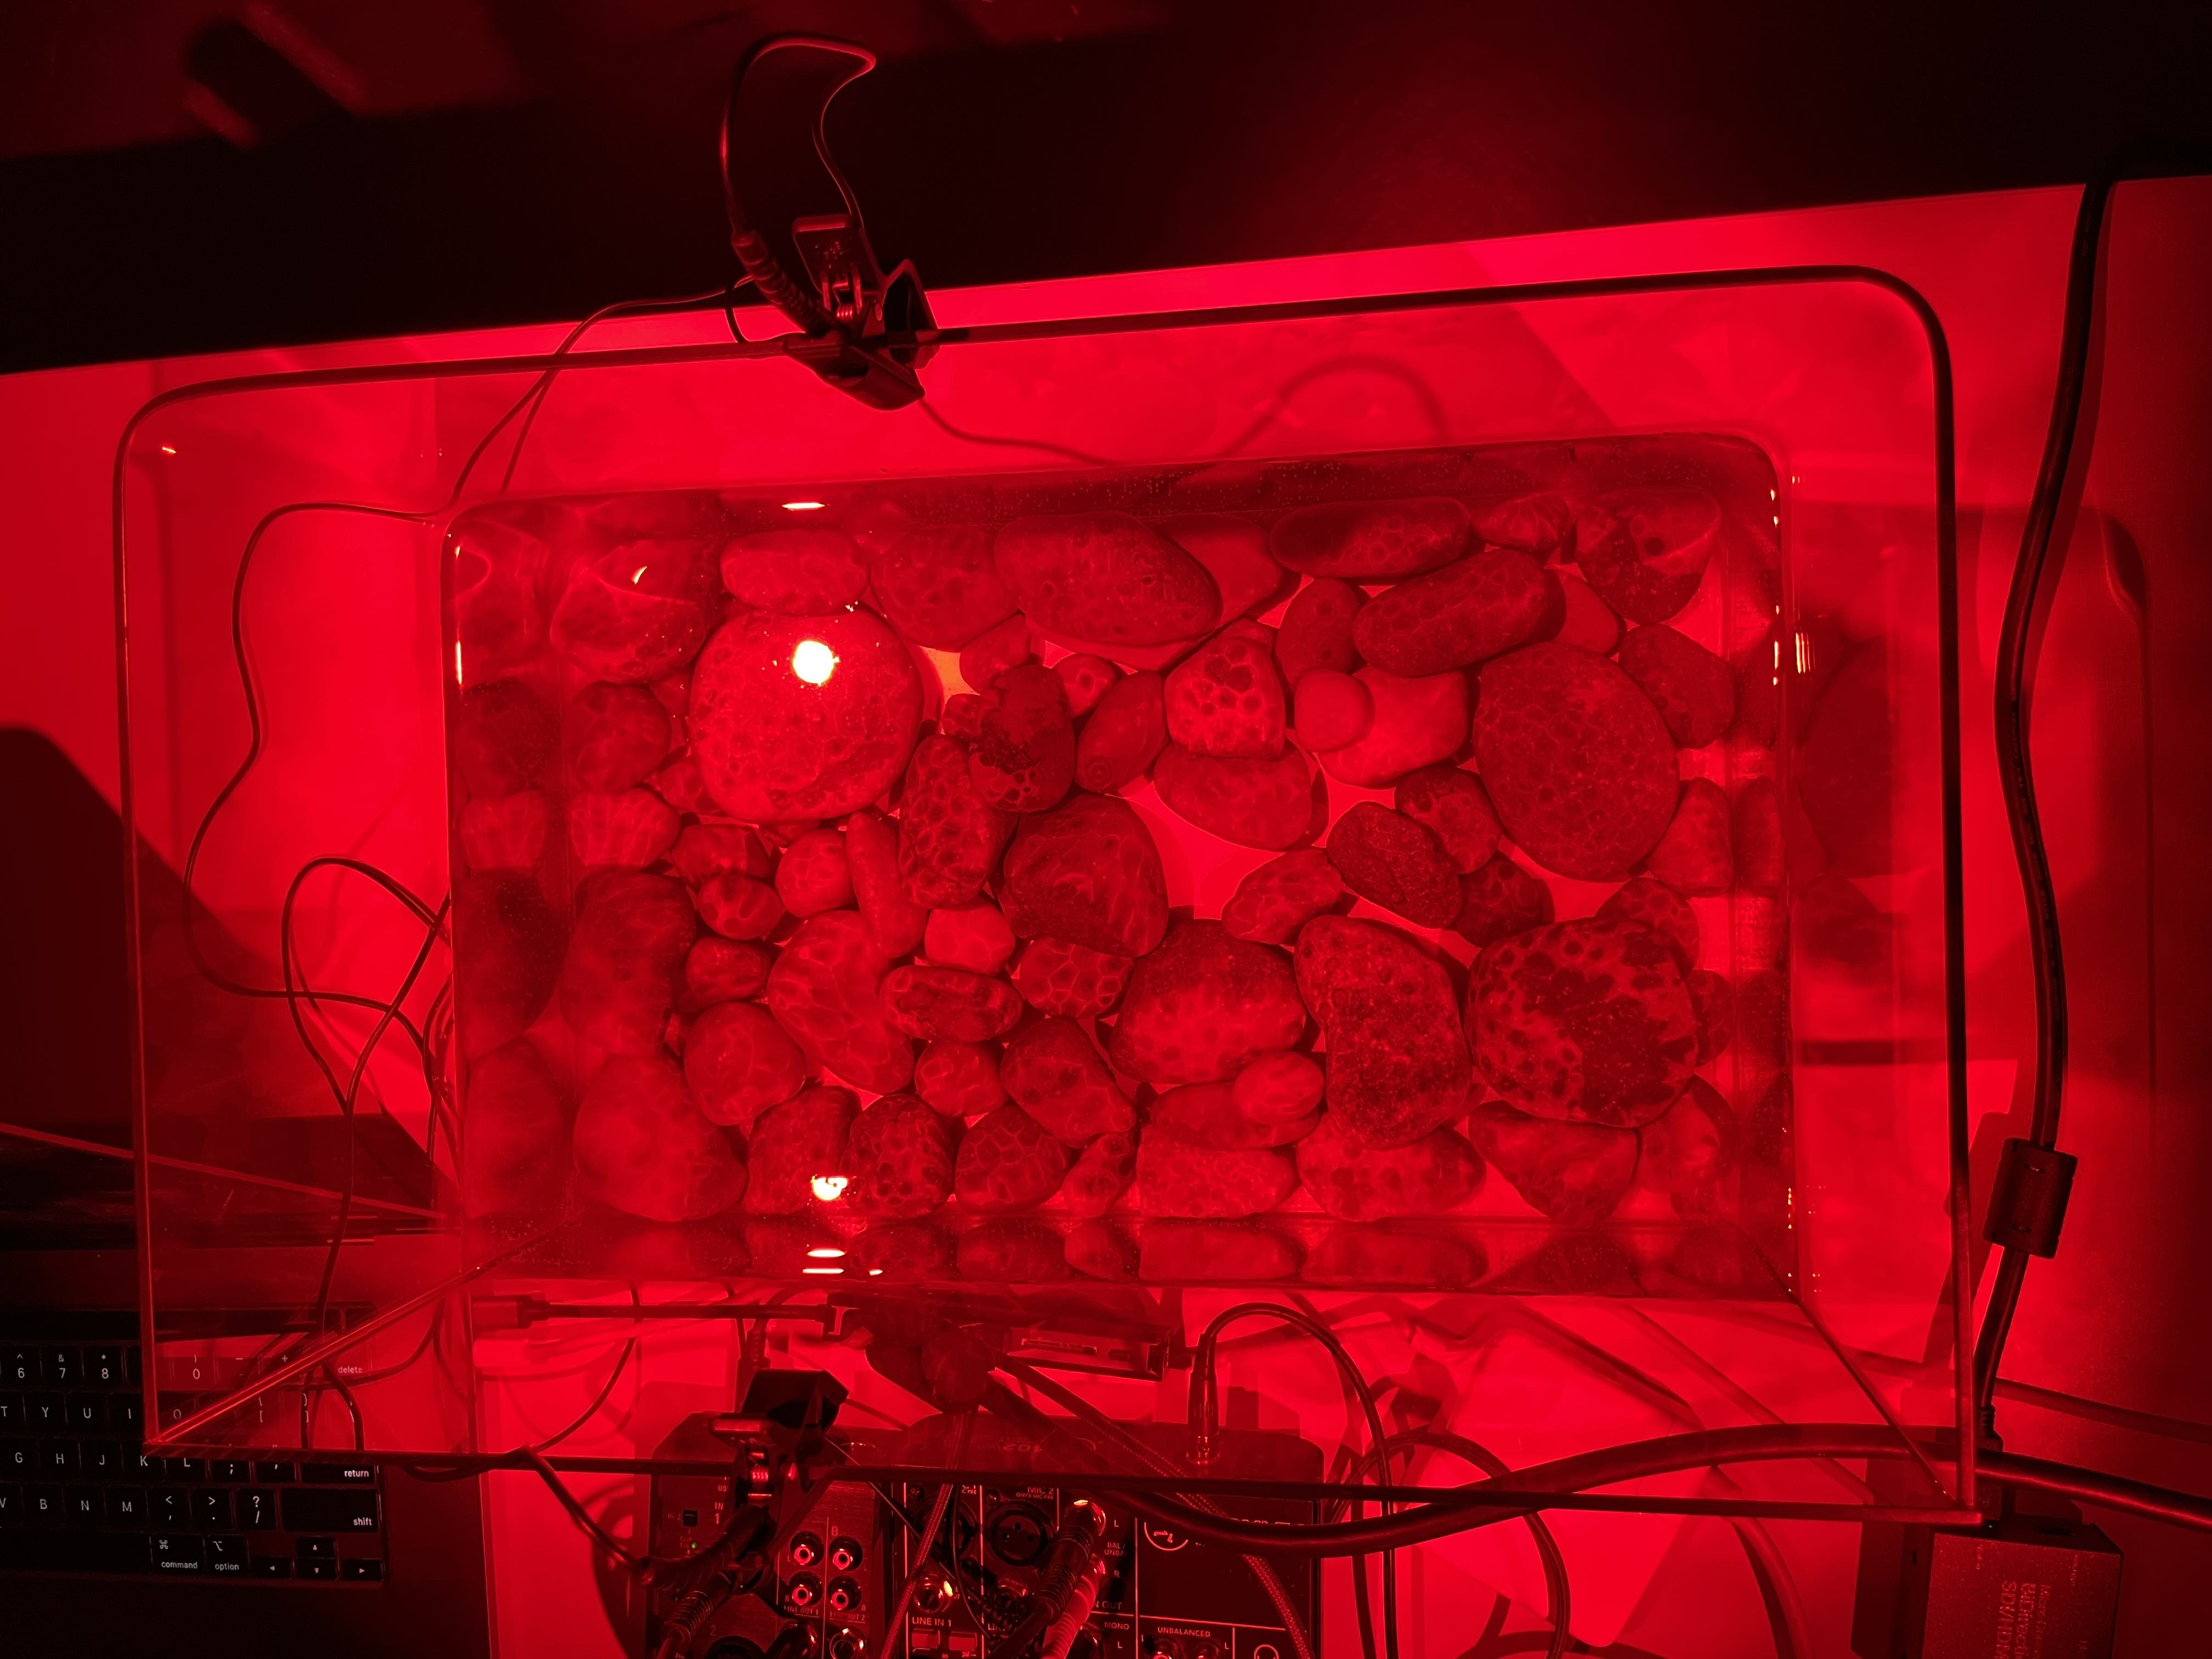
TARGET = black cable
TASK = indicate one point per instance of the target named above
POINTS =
(1083, 456)
(353, 1408)
(390, 1010)
(1782, 1616)
(1205, 1383)
(429, 1331)
(2027, 605)
(2096, 1411)
(352, 1095)
(622, 1362)
(1666, 1455)
(257, 735)
(724, 296)
(759, 262)
(1558, 1589)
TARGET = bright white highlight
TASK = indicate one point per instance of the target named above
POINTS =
(813, 662)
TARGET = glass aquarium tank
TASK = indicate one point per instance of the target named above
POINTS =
(1395, 849)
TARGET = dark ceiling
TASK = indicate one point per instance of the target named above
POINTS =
(187, 175)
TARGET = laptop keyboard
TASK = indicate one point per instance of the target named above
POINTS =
(79, 1494)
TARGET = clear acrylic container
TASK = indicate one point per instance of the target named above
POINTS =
(621, 735)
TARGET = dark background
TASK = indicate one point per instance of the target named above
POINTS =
(188, 175)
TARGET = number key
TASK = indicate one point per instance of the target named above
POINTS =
(61, 1368)
(19, 1367)
(103, 1367)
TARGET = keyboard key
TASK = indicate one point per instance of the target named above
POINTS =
(305, 1509)
(19, 1367)
(232, 1469)
(211, 1508)
(169, 1506)
(14, 1415)
(199, 1373)
(84, 1506)
(42, 1505)
(131, 1366)
(103, 1367)
(88, 1412)
(257, 1509)
(271, 1566)
(57, 1457)
(11, 1505)
(123, 1413)
(46, 1413)
(61, 1368)
(362, 1568)
(149, 1467)
(193, 1469)
(226, 1554)
(126, 1507)
(275, 1474)
(19, 1459)
(339, 1474)
(319, 1557)
(103, 1460)
(176, 1552)
(73, 1551)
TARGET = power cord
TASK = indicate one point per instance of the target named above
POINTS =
(1641, 1458)
(1205, 1424)
(1558, 1590)
(2028, 1203)
(299, 995)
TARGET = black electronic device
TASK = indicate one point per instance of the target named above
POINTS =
(1159, 1596)
(1163, 1595)
(2034, 1578)
(105, 1548)
(2026, 1583)
(78, 1493)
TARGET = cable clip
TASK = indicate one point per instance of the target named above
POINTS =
(796, 227)
(2027, 1205)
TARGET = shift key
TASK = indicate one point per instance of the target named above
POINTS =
(328, 1509)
